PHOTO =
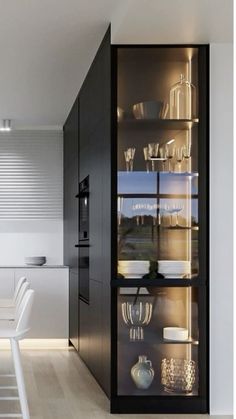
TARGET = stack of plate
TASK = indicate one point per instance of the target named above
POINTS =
(174, 268)
(133, 268)
(35, 260)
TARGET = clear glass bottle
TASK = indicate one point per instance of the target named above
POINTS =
(183, 100)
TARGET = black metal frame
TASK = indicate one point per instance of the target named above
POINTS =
(167, 404)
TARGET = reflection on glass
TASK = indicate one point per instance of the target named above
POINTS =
(158, 217)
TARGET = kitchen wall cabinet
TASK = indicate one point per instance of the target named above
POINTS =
(50, 317)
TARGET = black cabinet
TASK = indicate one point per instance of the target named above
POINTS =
(71, 182)
(74, 309)
(94, 158)
(148, 216)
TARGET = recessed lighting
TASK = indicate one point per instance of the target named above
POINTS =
(6, 125)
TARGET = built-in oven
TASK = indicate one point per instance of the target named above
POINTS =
(84, 240)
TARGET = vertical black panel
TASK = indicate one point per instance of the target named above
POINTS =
(95, 161)
(71, 180)
(74, 310)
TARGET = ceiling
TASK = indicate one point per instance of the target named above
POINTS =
(47, 45)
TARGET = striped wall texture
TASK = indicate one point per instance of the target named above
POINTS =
(31, 175)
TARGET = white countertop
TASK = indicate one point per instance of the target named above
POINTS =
(33, 267)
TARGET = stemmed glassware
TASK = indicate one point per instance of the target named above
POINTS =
(163, 156)
(153, 152)
(129, 159)
(146, 158)
(177, 209)
(120, 202)
(171, 210)
(187, 154)
(170, 152)
(179, 157)
(136, 316)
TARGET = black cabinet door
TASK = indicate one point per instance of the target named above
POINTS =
(84, 332)
(95, 161)
(74, 309)
(71, 182)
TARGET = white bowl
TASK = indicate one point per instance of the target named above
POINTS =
(133, 262)
(175, 333)
(35, 260)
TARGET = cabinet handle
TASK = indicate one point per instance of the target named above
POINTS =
(82, 245)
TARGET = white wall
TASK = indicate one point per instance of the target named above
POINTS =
(31, 216)
(221, 236)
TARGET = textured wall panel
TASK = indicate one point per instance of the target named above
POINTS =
(31, 175)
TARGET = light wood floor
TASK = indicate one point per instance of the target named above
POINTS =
(59, 386)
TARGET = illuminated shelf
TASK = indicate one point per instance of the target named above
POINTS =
(155, 341)
(158, 282)
(193, 228)
(165, 124)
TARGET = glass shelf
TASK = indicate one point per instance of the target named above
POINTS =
(162, 124)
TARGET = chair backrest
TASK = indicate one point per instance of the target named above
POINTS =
(23, 318)
(21, 294)
(18, 287)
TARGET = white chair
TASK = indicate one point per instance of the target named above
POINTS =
(11, 302)
(15, 331)
(10, 313)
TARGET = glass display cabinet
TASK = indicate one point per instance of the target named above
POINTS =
(160, 272)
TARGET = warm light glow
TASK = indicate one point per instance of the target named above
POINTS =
(38, 344)
(171, 141)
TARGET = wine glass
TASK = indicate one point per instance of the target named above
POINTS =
(131, 152)
(170, 152)
(179, 157)
(127, 159)
(120, 202)
(136, 316)
(163, 157)
(146, 158)
(153, 152)
(166, 209)
(187, 154)
(178, 207)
